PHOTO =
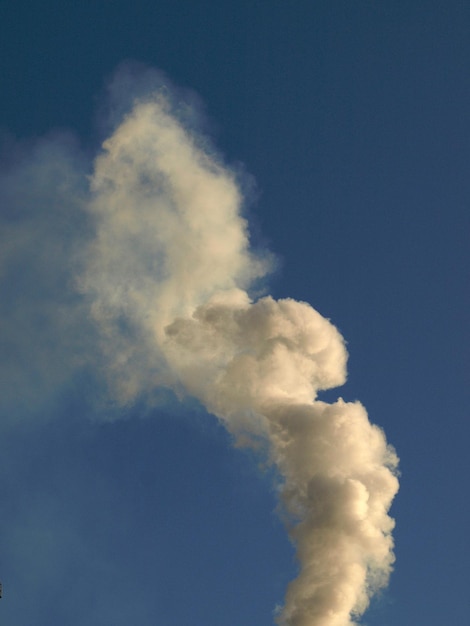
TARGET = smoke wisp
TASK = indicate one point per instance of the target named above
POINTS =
(169, 279)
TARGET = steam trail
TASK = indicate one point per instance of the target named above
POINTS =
(168, 275)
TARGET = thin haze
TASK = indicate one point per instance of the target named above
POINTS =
(161, 281)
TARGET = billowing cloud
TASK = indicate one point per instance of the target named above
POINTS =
(166, 275)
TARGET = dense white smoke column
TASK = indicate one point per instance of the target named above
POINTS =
(168, 274)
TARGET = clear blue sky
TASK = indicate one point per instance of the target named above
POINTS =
(353, 120)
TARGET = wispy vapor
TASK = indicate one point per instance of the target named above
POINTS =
(168, 277)
(45, 336)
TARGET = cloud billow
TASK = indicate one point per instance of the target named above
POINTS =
(165, 278)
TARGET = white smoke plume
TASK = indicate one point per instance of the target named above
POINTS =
(169, 275)
(152, 262)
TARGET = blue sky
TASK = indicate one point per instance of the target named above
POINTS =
(350, 121)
